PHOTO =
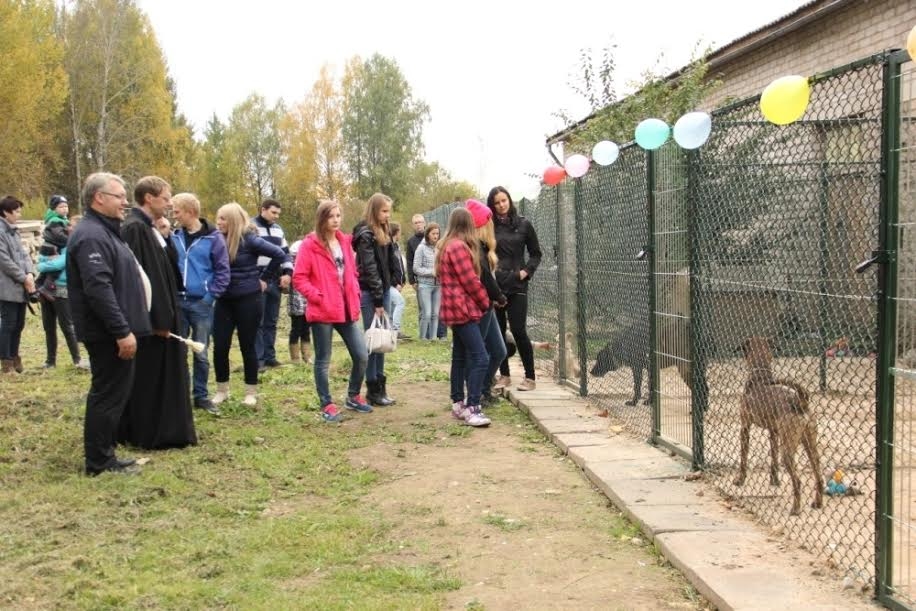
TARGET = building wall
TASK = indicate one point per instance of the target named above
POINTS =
(862, 28)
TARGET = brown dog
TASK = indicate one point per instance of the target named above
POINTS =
(781, 407)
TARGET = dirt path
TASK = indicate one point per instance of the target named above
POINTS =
(504, 511)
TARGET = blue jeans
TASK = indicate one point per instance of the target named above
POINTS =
(469, 363)
(354, 339)
(496, 347)
(197, 318)
(376, 365)
(397, 308)
(429, 297)
(267, 331)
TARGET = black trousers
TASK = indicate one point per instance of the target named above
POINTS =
(243, 313)
(516, 312)
(112, 381)
(54, 313)
(299, 329)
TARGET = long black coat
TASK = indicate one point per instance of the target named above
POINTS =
(158, 414)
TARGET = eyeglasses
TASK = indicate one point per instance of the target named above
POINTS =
(122, 196)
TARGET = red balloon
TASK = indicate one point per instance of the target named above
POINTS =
(554, 175)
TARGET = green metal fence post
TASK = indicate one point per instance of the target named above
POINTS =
(822, 277)
(887, 325)
(654, 374)
(561, 285)
(581, 353)
(699, 400)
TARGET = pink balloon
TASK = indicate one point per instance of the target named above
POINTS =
(576, 165)
(554, 175)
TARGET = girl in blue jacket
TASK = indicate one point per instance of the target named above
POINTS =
(240, 304)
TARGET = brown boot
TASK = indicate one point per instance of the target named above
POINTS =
(307, 353)
(17, 364)
(295, 356)
(6, 366)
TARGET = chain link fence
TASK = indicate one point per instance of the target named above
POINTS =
(714, 303)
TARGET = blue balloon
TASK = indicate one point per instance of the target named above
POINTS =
(652, 133)
(692, 130)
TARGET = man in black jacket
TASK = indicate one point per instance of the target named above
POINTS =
(419, 227)
(109, 298)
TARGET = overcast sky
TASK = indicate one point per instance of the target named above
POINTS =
(491, 72)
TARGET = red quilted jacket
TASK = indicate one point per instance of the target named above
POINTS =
(464, 298)
(315, 276)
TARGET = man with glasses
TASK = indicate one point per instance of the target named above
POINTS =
(109, 303)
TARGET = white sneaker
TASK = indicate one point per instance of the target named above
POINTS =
(474, 417)
(222, 393)
(460, 411)
(251, 395)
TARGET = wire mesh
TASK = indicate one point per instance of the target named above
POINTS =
(545, 306)
(615, 288)
(671, 315)
(785, 215)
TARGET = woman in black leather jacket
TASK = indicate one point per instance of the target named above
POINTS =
(515, 236)
(378, 272)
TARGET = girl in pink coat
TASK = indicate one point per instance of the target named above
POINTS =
(325, 274)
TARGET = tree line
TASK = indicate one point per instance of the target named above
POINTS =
(84, 87)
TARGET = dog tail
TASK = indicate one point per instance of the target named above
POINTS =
(802, 406)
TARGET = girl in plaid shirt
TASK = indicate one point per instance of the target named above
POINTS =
(464, 302)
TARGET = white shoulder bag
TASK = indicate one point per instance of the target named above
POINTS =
(380, 337)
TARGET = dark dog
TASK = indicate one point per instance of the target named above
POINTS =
(781, 407)
(629, 346)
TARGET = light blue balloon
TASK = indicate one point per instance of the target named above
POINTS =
(652, 133)
(605, 152)
(692, 130)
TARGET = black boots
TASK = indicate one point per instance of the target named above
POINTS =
(383, 380)
(377, 394)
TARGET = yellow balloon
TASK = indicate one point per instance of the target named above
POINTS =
(911, 44)
(785, 99)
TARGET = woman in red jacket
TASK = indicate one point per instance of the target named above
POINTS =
(464, 302)
(325, 274)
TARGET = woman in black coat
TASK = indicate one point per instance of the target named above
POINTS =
(515, 237)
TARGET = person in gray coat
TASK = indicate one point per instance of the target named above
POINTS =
(17, 283)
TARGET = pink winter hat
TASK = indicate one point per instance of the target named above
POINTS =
(479, 212)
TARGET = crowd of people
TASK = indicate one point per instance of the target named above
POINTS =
(131, 287)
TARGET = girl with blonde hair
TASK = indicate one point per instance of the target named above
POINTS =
(489, 325)
(378, 272)
(464, 303)
(240, 306)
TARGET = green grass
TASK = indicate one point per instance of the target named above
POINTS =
(262, 514)
(504, 523)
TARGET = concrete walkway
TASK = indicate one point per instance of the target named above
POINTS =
(729, 559)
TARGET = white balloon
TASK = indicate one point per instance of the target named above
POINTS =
(605, 152)
(692, 130)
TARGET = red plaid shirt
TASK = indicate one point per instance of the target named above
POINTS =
(464, 298)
